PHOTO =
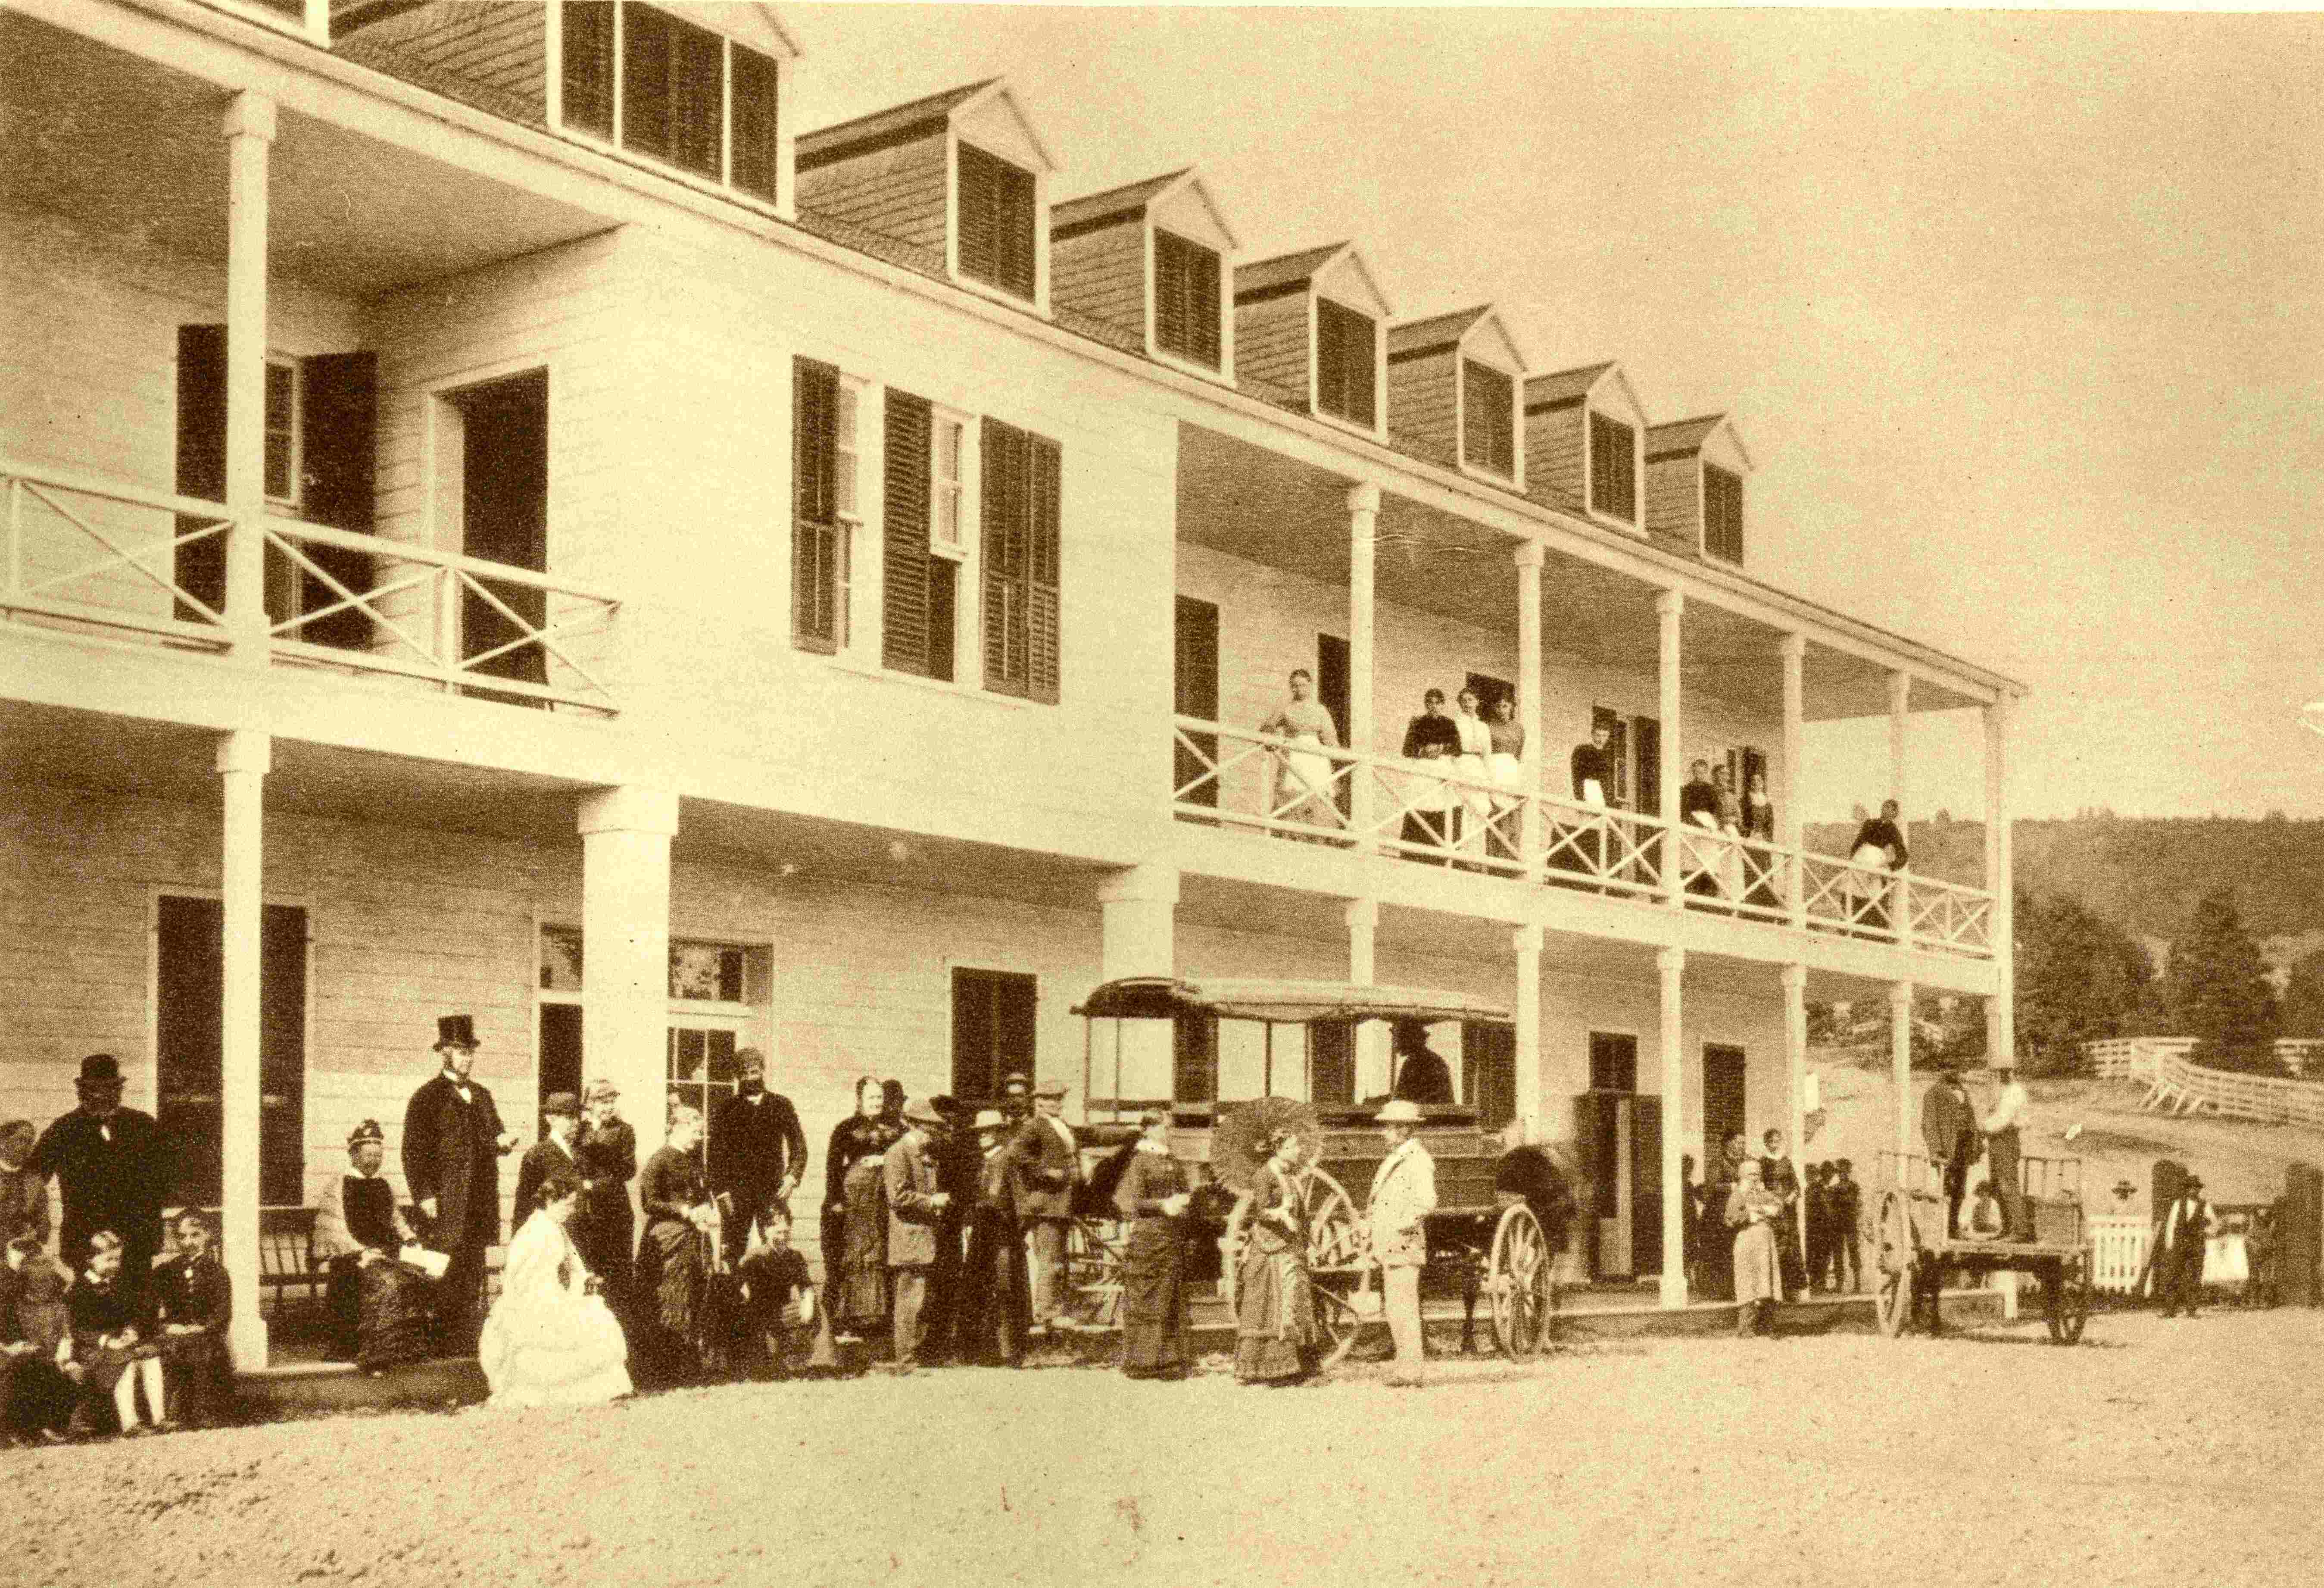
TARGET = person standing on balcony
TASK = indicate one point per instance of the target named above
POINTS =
(1507, 738)
(1431, 819)
(1759, 828)
(1473, 762)
(1698, 811)
(114, 1168)
(1731, 827)
(1048, 1168)
(758, 1152)
(452, 1139)
(2003, 1146)
(1879, 847)
(1593, 786)
(1949, 1128)
(1303, 776)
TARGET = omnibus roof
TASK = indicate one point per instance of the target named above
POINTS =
(1281, 1002)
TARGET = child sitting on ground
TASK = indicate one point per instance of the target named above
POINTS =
(194, 1303)
(778, 1296)
(36, 1399)
(109, 1347)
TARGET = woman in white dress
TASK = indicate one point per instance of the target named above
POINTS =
(550, 1340)
(1303, 776)
(1506, 764)
(1474, 764)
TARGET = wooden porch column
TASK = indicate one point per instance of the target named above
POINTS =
(1138, 907)
(625, 839)
(2001, 1008)
(1789, 827)
(1900, 720)
(1529, 558)
(1796, 1072)
(1371, 1056)
(243, 758)
(1670, 607)
(1900, 1061)
(1527, 942)
(1363, 529)
(1672, 963)
(249, 131)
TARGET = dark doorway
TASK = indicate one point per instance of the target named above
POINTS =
(1197, 695)
(504, 518)
(560, 1049)
(1331, 689)
(1723, 1101)
(190, 1050)
(1646, 735)
(339, 409)
(1489, 690)
(992, 1030)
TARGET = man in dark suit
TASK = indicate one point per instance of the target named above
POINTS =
(758, 1152)
(1048, 1162)
(1422, 1076)
(916, 1206)
(452, 1139)
(1949, 1126)
(114, 1168)
(2183, 1237)
(560, 1118)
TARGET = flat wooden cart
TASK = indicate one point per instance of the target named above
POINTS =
(1491, 1247)
(1914, 1257)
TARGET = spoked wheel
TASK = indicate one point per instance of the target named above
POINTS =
(2068, 1298)
(1895, 1277)
(1339, 1255)
(1518, 1282)
(1092, 1275)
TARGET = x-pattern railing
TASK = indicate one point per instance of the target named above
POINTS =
(1946, 915)
(53, 519)
(1261, 780)
(1610, 848)
(1430, 811)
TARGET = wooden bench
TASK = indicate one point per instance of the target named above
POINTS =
(286, 1253)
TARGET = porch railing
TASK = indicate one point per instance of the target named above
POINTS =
(97, 556)
(1433, 811)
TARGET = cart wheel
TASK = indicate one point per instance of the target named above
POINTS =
(1339, 1254)
(1894, 1277)
(1093, 1274)
(2068, 1297)
(1516, 1280)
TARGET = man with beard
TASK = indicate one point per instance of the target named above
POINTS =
(758, 1152)
(453, 1140)
(114, 1168)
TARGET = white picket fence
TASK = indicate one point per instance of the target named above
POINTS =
(2176, 1084)
(2119, 1245)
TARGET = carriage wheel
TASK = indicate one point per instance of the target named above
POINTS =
(2068, 1298)
(1895, 1279)
(1092, 1275)
(1518, 1281)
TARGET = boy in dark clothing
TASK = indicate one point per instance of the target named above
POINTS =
(36, 1398)
(193, 1299)
(777, 1294)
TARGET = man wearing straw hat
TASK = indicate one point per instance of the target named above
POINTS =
(1403, 1194)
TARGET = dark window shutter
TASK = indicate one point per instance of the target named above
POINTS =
(1185, 300)
(1331, 355)
(906, 639)
(996, 221)
(588, 75)
(1194, 1069)
(1364, 393)
(1332, 1061)
(1722, 513)
(815, 524)
(1489, 1072)
(1196, 680)
(1044, 637)
(1613, 468)
(1344, 349)
(1170, 328)
(1489, 418)
(757, 164)
(1023, 563)
(199, 569)
(645, 81)
(697, 99)
(339, 407)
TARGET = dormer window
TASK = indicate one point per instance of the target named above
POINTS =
(1187, 281)
(1613, 468)
(1346, 354)
(997, 218)
(1722, 514)
(682, 95)
(1489, 420)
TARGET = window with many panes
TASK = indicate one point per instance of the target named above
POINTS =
(1722, 513)
(1019, 533)
(1488, 430)
(1346, 371)
(1185, 300)
(824, 515)
(996, 222)
(661, 86)
(1613, 468)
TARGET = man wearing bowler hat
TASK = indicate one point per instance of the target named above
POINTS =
(452, 1138)
(1048, 1169)
(1403, 1194)
(114, 1168)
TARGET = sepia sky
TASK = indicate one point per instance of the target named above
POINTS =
(2018, 313)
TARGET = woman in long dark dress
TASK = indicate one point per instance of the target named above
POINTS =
(606, 1231)
(673, 1273)
(377, 1303)
(1275, 1337)
(860, 1135)
(1154, 1194)
(855, 1211)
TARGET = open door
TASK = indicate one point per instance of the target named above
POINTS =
(504, 518)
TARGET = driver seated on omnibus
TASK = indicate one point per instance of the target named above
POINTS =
(1422, 1076)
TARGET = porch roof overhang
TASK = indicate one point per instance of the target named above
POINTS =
(1281, 1003)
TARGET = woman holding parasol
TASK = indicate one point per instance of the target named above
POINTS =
(1258, 1148)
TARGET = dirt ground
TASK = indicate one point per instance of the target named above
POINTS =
(2156, 1452)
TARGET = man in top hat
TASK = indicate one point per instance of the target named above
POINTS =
(1048, 1170)
(1949, 1128)
(452, 1139)
(758, 1152)
(916, 1206)
(2003, 1146)
(1403, 1194)
(114, 1168)
(2178, 1247)
(560, 1119)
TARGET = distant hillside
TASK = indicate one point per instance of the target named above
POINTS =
(2143, 874)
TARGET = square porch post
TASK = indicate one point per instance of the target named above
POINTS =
(1139, 910)
(2001, 1008)
(1900, 721)
(243, 758)
(1670, 608)
(1672, 964)
(1527, 943)
(1529, 558)
(1789, 827)
(1900, 1065)
(625, 842)
(1795, 1074)
(249, 131)
(1363, 534)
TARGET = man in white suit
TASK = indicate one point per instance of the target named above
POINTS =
(1404, 1193)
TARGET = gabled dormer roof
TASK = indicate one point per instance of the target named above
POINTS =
(1293, 271)
(1458, 328)
(1686, 437)
(1135, 198)
(758, 26)
(989, 99)
(1604, 383)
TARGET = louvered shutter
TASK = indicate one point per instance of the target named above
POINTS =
(1363, 394)
(996, 221)
(1722, 505)
(1016, 235)
(1185, 300)
(815, 528)
(697, 99)
(645, 81)
(1003, 534)
(757, 158)
(588, 71)
(1044, 636)
(906, 636)
(1170, 329)
(1344, 347)
(1331, 354)
(1204, 271)
(339, 404)
(1489, 418)
(975, 178)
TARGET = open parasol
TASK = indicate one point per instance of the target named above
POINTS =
(1238, 1141)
